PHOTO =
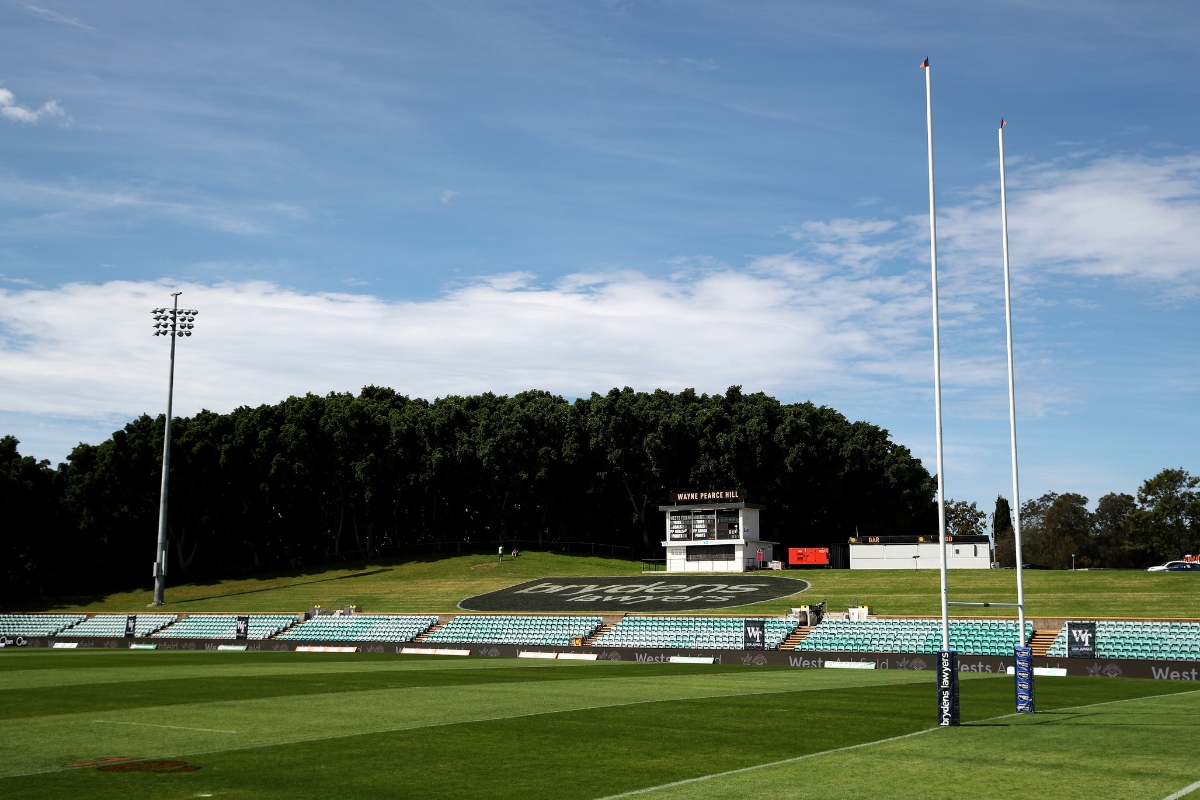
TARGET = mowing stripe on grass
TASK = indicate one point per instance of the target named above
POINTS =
(496, 718)
(155, 725)
(1184, 791)
(794, 759)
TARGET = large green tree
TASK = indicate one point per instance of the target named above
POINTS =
(1166, 523)
(318, 477)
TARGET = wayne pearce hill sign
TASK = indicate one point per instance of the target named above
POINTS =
(676, 593)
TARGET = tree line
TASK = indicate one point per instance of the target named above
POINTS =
(316, 476)
(1124, 532)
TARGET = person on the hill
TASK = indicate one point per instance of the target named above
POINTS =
(500, 553)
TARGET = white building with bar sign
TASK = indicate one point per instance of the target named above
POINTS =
(714, 532)
(919, 552)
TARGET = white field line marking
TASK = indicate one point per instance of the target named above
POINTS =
(1184, 791)
(461, 722)
(791, 760)
(153, 725)
(794, 759)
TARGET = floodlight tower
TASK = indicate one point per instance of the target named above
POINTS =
(174, 322)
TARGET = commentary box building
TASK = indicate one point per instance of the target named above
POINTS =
(715, 531)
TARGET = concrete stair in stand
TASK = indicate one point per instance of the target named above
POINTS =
(603, 630)
(607, 623)
(1041, 642)
(299, 619)
(443, 619)
(796, 637)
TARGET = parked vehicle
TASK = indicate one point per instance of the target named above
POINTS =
(1164, 567)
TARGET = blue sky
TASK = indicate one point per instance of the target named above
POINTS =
(456, 197)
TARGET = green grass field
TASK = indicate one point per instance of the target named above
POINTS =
(437, 584)
(290, 725)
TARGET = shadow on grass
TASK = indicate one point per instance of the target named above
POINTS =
(282, 586)
(277, 580)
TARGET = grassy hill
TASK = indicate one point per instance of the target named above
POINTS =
(437, 584)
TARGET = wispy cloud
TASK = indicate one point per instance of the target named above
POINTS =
(447, 195)
(1130, 218)
(1135, 219)
(69, 208)
(10, 110)
(53, 16)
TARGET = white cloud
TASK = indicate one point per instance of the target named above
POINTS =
(1131, 218)
(10, 109)
(447, 195)
(1128, 218)
(784, 325)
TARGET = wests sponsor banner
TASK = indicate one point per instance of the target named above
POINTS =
(644, 594)
(1081, 640)
(754, 635)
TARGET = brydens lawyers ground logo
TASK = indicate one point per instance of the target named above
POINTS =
(677, 593)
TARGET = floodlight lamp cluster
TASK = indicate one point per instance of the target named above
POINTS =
(174, 321)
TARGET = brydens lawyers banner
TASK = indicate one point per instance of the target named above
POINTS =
(947, 687)
(1081, 640)
(754, 635)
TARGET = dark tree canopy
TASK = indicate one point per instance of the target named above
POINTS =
(1161, 524)
(315, 475)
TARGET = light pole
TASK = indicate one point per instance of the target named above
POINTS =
(174, 322)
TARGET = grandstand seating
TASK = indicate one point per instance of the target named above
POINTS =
(37, 624)
(360, 628)
(522, 630)
(1169, 641)
(981, 637)
(224, 626)
(707, 633)
(114, 625)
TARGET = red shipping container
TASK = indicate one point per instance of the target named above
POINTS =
(808, 555)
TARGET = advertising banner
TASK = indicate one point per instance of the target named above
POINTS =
(754, 635)
(131, 626)
(1081, 640)
(243, 628)
(947, 687)
(1023, 673)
